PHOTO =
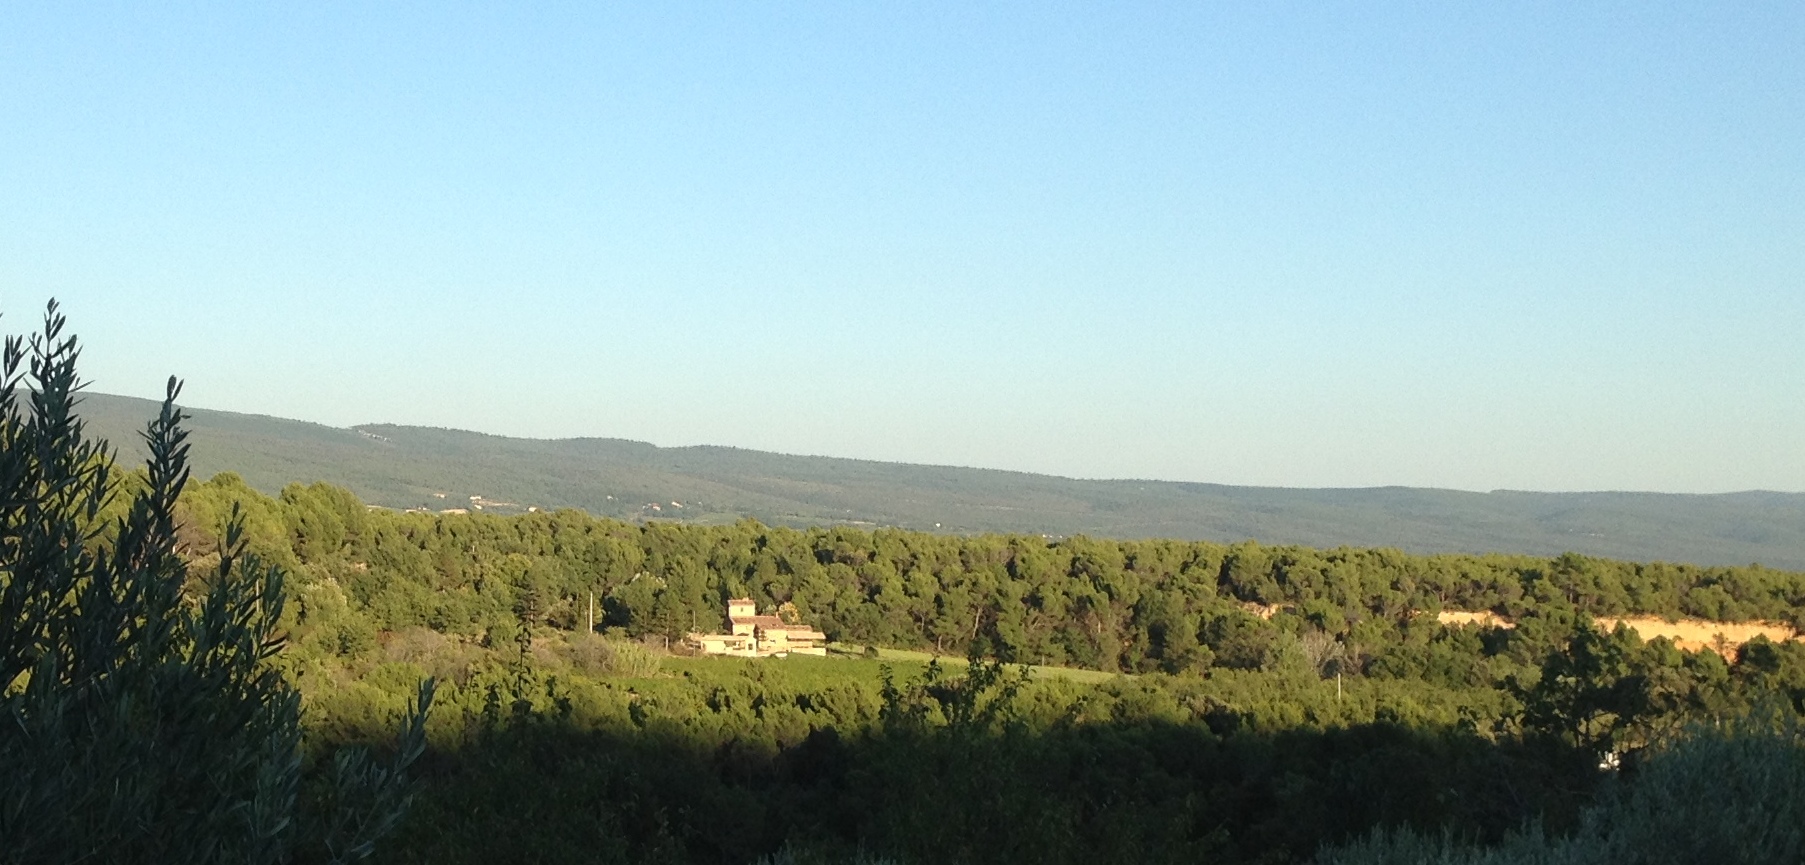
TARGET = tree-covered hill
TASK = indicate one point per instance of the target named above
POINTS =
(405, 467)
(1247, 703)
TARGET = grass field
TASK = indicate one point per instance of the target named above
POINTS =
(893, 656)
(846, 661)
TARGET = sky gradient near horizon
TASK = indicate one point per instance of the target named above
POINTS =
(1548, 246)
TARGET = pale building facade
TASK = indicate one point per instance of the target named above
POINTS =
(750, 635)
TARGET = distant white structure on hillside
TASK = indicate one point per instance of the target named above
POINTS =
(751, 635)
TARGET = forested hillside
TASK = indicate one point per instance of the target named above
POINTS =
(411, 467)
(1120, 606)
(1270, 699)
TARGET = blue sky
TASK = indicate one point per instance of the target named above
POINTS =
(1555, 246)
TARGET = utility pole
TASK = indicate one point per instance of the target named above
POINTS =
(592, 612)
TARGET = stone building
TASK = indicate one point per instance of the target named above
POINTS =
(751, 635)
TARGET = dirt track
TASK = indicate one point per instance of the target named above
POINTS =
(1692, 635)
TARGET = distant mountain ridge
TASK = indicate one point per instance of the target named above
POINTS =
(440, 469)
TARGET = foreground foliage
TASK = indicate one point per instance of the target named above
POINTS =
(145, 722)
(1730, 793)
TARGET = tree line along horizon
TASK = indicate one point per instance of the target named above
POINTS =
(1131, 606)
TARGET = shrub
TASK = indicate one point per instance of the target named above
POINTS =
(1728, 793)
(600, 656)
(147, 723)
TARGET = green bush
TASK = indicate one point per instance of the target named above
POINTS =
(146, 722)
(1730, 793)
(597, 655)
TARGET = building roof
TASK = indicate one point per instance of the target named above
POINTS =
(769, 623)
(799, 632)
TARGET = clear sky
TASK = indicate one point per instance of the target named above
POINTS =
(1488, 245)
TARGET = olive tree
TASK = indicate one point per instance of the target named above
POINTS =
(143, 720)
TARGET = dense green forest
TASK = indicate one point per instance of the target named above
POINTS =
(1268, 700)
(1127, 606)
